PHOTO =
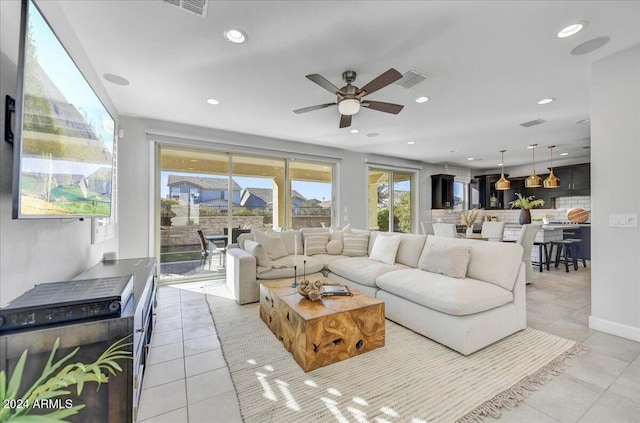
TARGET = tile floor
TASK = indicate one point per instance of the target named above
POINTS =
(187, 380)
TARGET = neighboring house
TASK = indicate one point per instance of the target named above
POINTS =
(201, 190)
(263, 198)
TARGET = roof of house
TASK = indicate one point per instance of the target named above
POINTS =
(266, 194)
(203, 183)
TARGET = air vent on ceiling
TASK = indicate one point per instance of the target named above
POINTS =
(533, 123)
(412, 77)
(197, 7)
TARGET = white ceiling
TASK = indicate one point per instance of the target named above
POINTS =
(489, 61)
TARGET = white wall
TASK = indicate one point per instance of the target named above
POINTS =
(615, 177)
(36, 251)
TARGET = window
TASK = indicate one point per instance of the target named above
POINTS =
(391, 200)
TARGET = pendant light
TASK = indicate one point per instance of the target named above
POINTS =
(503, 183)
(552, 181)
(533, 181)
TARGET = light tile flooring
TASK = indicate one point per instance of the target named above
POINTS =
(187, 380)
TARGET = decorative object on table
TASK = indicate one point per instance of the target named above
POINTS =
(552, 180)
(525, 204)
(295, 277)
(503, 183)
(54, 382)
(310, 290)
(468, 219)
(533, 181)
(577, 215)
(335, 290)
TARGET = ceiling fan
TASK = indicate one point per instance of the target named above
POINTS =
(350, 97)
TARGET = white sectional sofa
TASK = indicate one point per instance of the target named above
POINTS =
(465, 294)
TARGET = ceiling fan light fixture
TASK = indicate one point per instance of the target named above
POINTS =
(349, 106)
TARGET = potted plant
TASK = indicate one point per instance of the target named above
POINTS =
(525, 204)
(468, 219)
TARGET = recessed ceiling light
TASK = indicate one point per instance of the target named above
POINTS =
(212, 101)
(470, 158)
(411, 142)
(583, 121)
(235, 35)
(571, 29)
(546, 100)
(422, 99)
(354, 131)
(564, 154)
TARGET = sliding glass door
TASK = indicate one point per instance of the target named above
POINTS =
(391, 200)
(208, 198)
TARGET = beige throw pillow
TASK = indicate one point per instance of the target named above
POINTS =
(385, 249)
(273, 243)
(449, 260)
(316, 244)
(334, 247)
(355, 245)
(260, 253)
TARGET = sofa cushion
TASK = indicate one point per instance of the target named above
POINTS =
(449, 260)
(385, 249)
(334, 247)
(458, 297)
(316, 244)
(273, 243)
(325, 259)
(290, 239)
(283, 267)
(361, 270)
(355, 245)
(493, 262)
(258, 251)
(411, 246)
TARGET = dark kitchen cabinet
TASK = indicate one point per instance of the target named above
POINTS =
(574, 180)
(442, 191)
(490, 197)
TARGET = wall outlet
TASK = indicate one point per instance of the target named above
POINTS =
(627, 220)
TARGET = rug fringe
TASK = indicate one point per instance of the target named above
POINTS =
(518, 393)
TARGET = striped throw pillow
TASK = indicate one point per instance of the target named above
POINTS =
(316, 244)
(355, 245)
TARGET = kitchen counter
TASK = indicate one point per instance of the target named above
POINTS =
(552, 226)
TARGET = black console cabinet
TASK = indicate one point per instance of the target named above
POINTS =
(116, 401)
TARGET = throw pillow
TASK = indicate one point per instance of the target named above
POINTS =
(273, 243)
(334, 247)
(355, 245)
(450, 260)
(258, 251)
(347, 228)
(316, 244)
(385, 249)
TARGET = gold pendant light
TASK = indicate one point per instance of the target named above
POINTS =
(533, 181)
(552, 181)
(502, 183)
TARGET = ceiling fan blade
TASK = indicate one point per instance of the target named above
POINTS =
(389, 77)
(312, 108)
(345, 121)
(383, 107)
(322, 81)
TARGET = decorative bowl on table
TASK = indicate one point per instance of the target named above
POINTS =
(310, 290)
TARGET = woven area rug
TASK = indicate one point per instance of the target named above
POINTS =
(411, 379)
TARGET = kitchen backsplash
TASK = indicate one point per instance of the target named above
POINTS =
(559, 214)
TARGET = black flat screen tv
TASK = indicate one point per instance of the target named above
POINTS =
(64, 136)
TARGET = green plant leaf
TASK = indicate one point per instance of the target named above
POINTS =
(16, 378)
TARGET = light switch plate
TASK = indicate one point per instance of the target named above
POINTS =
(627, 220)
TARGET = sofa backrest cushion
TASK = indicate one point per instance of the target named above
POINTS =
(258, 251)
(273, 243)
(290, 239)
(316, 244)
(243, 237)
(449, 260)
(494, 262)
(355, 244)
(385, 249)
(410, 248)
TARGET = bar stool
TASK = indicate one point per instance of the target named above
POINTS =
(566, 250)
(577, 249)
(542, 247)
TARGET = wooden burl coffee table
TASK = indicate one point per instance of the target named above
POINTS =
(319, 333)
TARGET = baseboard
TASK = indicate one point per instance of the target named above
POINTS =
(613, 328)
